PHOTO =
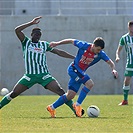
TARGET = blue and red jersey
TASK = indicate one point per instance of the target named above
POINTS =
(85, 57)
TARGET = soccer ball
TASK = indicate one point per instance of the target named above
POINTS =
(93, 111)
(4, 91)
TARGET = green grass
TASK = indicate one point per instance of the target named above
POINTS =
(27, 114)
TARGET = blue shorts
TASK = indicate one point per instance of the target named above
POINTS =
(76, 78)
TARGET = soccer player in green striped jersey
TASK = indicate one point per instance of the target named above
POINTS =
(36, 69)
(127, 41)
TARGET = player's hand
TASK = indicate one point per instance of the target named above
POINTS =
(115, 73)
(36, 20)
(117, 59)
(53, 44)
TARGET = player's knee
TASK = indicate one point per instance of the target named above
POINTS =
(127, 81)
(14, 94)
(89, 84)
(70, 95)
(60, 92)
(8, 96)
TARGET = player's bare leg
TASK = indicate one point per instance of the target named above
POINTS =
(17, 90)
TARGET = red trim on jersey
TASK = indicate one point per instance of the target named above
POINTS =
(86, 58)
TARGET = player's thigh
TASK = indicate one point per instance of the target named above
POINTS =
(55, 87)
(78, 75)
(18, 89)
(76, 80)
(74, 85)
(127, 80)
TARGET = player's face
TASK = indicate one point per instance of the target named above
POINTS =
(36, 35)
(131, 29)
(97, 50)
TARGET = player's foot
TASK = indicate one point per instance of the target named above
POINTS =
(82, 112)
(78, 110)
(124, 102)
(51, 111)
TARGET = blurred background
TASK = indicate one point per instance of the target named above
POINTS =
(79, 19)
(66, 7)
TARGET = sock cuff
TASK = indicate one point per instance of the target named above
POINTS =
(85, 89)
(64, 98)
(126, 87)
(8, 96)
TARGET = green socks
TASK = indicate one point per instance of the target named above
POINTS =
(4, 101)
(125, 92)
(70, 104)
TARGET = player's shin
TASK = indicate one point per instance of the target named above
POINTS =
(125, 92)
(5, 100)
(62, 99)
(70, 104)
(82, 95)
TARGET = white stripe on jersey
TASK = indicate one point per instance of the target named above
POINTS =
(45, 57)
(29, 59)
(131, 50)
(42, 60)
(35, 57)
(33, 67)
(26, 51)
(44, 63)
(129, 69)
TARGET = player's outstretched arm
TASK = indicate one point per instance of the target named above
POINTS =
(62, 42)
(118, 53)
(112, 66)
(62, 53)
(18, 29)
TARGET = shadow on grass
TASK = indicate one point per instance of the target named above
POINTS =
(70, 117)
(84, 117)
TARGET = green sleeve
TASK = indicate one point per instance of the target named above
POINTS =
(48, 47)
(121, 42)
(25, 40)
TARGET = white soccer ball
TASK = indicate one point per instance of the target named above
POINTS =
(93, 111)
(4, 91)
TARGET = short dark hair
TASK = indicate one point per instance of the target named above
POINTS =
(36, 29)
(130, 23)
(99, 42)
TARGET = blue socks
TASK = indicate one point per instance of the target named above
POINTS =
(82, 95)
(62, 99)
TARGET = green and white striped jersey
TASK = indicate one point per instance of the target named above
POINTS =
(127, 41)
(35, 56)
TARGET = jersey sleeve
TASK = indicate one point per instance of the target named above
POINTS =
(80, 44)
(25, 40)
(104, 56)
(121, 42)
(48, 47)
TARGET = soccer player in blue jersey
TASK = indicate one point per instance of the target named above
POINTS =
(36, 69)
(87, 55)
(126, 41)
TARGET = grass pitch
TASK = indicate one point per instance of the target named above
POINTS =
(27, 114)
